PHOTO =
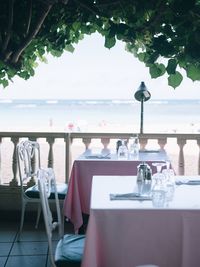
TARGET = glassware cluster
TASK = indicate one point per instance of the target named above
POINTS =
(128, 150)
(160, 186)
(163, 184)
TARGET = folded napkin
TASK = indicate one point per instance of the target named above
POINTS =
(129, 196)
(149, 151)
(97, 156)
(188, 182)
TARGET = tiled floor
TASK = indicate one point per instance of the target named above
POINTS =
(30, 251)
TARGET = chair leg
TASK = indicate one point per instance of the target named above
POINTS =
(61, 233)
(62, 221)
(50, 253)
(38, 215)
(21, 220)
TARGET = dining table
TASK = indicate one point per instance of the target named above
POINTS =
(77, 200)
(124, 232)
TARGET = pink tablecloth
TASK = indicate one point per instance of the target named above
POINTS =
(77, 200)
(130, 233)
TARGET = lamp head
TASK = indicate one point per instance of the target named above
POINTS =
(142, 94)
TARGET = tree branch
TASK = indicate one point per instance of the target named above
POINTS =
(9, 28)
(109, 3)
(31, 35)
(29, 17)
(1, 41)
(90, 8)
(160, 8)
(51, 2)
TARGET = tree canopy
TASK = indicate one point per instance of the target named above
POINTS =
(152, 30)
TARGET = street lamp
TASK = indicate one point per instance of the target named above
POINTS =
(142, 95)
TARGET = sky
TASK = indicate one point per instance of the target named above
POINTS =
(95, 72)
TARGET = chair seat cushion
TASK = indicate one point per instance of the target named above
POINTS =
(61, 189)
(33, 191)
(69, 250)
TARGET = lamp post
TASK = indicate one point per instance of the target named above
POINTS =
(142, 95)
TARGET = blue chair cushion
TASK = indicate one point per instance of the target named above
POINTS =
(69, 251)
(62, 191)
(33, 192)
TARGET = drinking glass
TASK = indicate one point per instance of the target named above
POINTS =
(158, 166)
(122, 151)
(169, 183)
(158, 188)
(134, 148)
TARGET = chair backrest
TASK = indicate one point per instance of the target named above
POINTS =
(46, 180)
(28, 157)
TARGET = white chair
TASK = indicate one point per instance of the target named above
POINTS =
(28, 157)
(69, 249)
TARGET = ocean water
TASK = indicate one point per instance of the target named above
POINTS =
(100, 115)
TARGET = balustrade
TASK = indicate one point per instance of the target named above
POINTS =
(107, 140)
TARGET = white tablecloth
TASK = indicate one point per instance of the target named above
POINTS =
(78, 196)
(127, 233)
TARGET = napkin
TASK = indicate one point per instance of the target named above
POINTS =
(97, 156)
(149, 151)
(129, 196)
(188, 182)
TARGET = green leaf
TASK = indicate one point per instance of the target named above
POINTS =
(56, 53)
(156, 70)
(171, 67)
(182, 61)
(24, 75)
(162, 45)
(70, 48)
(175, 80)
(11, 73)
(4, 82)
(85, 29)
(193, 72)
(2, 74)
(110, 42)
(141, 56)
(32, 72)
(76, 25)
(122, 29)
(2, 65)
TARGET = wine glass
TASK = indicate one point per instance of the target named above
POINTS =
(158, 188)
(158, 175)
(169, 183)
(134, 148)
(122, 150)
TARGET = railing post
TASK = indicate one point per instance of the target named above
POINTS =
(14, 181)
(198, 143)
(143, 142)
(181, 161)
(50, 141)
(86, 142)
(105, 142)
(162, 142)
(68, 156)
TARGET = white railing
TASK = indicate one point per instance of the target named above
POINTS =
(72, 144)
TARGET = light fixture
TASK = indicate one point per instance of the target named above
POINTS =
(142, 95)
